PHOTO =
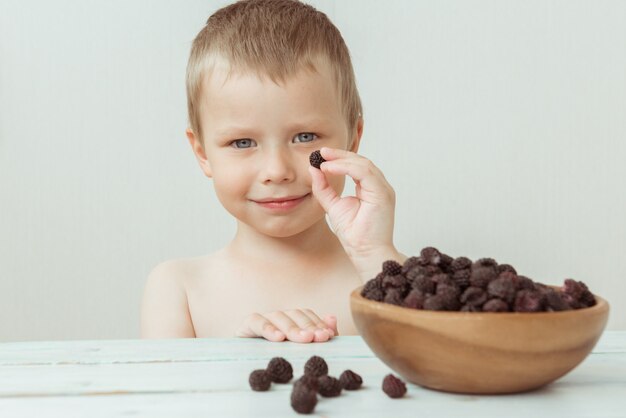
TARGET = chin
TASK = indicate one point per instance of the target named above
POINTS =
(278, 229)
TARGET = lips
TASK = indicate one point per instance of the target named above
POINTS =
(279, 199)
(281, 204)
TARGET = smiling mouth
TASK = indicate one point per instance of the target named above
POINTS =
(282, 200)
(282, 204)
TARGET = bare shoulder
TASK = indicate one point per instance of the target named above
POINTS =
(165, 308)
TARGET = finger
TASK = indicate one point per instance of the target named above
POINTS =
(331, 321)
(319, 323)
(256, 325)
(330, 154)
(369, 179)
(322, 190)
(288, 326)
(310, 322)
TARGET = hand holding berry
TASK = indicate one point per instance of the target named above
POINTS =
(297, 325)
(363, 223)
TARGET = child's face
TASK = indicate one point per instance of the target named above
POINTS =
(258, 137)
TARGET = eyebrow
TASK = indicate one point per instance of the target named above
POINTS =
(236, 130)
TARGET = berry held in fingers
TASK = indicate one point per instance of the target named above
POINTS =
(316, 159)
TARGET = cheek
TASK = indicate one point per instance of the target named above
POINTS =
(228, 180)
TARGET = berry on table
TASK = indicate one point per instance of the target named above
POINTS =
(303, 399)
(259, 380)
(393, 387)
(329, 386)
(316, 366)
(350, 380)
(279, 370)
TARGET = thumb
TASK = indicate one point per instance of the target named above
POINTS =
(322, 190)
(331, 321)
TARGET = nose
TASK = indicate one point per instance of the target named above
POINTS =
(278, 166)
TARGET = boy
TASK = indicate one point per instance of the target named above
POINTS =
(268, 83)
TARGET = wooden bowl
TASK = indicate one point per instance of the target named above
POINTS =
(478, 352)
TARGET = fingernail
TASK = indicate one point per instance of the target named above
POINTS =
(303, 332)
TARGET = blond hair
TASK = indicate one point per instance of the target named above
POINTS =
(275, 38)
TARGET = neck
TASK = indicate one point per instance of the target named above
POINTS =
(314, 245)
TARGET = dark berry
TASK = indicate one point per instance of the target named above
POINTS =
(259, 380)
(445, 263)
(503, 287)
(481, 276)
(578, 290)
(394, 296)
(460, 263)
(474, 296)
(316, 159)
(409, 264)
(375, 294)
(450, 296)
(279, 370)
(505, 267)
(415, 299)
(397, 281)
(495, 305)
(571, 301)
(329, 386)
(370, 285)
(587, 299)
(350, 380)
(485, 262)
(462, 277)
(442, 278)
(393, 387)
(431, 271)
(316, 366)
(529, 301)
(309, 381)
(523, 283)
(435, 303)
(391, 268)
(431, 255)
(303, 399)
(470, 308)
(424, 284)
(554, 300)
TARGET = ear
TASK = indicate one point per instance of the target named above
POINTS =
(198, 150)
(356, 140)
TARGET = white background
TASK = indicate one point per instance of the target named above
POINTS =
(500, 124)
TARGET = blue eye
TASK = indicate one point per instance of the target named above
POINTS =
(245, 143)
(306, 136)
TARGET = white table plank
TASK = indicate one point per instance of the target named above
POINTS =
(155, 378)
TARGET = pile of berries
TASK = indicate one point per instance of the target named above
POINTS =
(435, 281)
(314, 381)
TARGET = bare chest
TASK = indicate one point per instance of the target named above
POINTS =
(221, 299)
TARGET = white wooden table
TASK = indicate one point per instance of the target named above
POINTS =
(209, 378)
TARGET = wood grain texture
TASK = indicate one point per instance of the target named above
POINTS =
(209, 377)
(479, 352)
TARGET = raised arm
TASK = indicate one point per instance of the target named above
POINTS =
(363, 223)
(164, 308)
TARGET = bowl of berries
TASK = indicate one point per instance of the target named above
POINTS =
(457, 325)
